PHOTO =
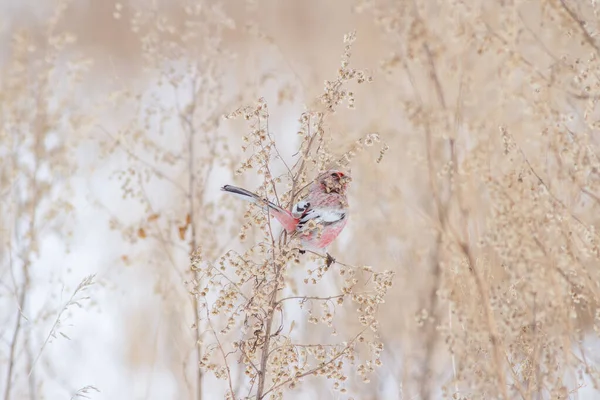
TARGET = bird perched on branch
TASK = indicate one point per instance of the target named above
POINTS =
(318, 218)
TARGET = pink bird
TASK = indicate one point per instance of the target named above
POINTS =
(318, 218)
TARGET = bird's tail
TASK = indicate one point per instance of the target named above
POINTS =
(251, 197)
(283, 216)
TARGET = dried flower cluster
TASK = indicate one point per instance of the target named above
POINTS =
(248, 292)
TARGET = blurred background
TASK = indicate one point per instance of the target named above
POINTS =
(113, 147)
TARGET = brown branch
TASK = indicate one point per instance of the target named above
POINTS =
(482, 290)
(485, 300)
(536, 71)
(187, 122)
(488, 313)
(552, 195)
(131, 154)
(293, 192)
(581, 24)
(37, 146)
(15, 336)
(310, 298)
(434, 76)
(221, 350)
(324, 257)
(262, 375)
(441, 210)
(159, 236)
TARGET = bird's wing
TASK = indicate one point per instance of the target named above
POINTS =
(300, 208)
(321, 216)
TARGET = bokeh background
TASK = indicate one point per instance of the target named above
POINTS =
(484, 204)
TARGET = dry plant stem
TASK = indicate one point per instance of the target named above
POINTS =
(481, 288)
(586, 35)
(302, 165)
(132, 154)
(485, 300)
(187, 122)
(160, 236)
(276, 197)
(32, 378)
(26, 265)
(550, 80)
(305, 298)
(453, 357)
(556, 199)
(272, 181)
(441, 211)
(564, 207)
(515, 376)
(480, 282)
(15, 336)
(327, 257)
(491, 322)
(535, 355)
(220, 346)
(264, 357)
(431, 335)
(53, 330)
(483, 291)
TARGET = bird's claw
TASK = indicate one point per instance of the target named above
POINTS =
(329, 260)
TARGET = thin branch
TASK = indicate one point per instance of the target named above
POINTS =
(581, 24)
(269, 323)
(552, 195)
(482, 289)
(220, 347)
(83, 285)
(14, 340)
(139, 159)
(26, 264)
(302, 166)
(309, 298)
(490, 320)
(186, 121)
(316, 369)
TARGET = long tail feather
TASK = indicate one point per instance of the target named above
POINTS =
(249, 196)
(241, 193)
(283, 216)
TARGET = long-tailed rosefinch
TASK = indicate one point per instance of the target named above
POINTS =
(318, 218)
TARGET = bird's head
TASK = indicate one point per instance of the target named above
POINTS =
(334, 181)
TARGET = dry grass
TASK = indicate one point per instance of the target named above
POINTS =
(471, 133)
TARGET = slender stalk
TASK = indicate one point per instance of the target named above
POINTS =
(193, 245)
(15, 337)
(186, 119)
(37, 148)
(264, 357)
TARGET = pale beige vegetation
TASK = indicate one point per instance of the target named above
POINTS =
(470, 266)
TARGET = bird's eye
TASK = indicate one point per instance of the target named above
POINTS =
(337, 174)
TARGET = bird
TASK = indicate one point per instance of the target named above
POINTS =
(318, 218)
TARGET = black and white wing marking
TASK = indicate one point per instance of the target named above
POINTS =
(322, 216)
(300, 208)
